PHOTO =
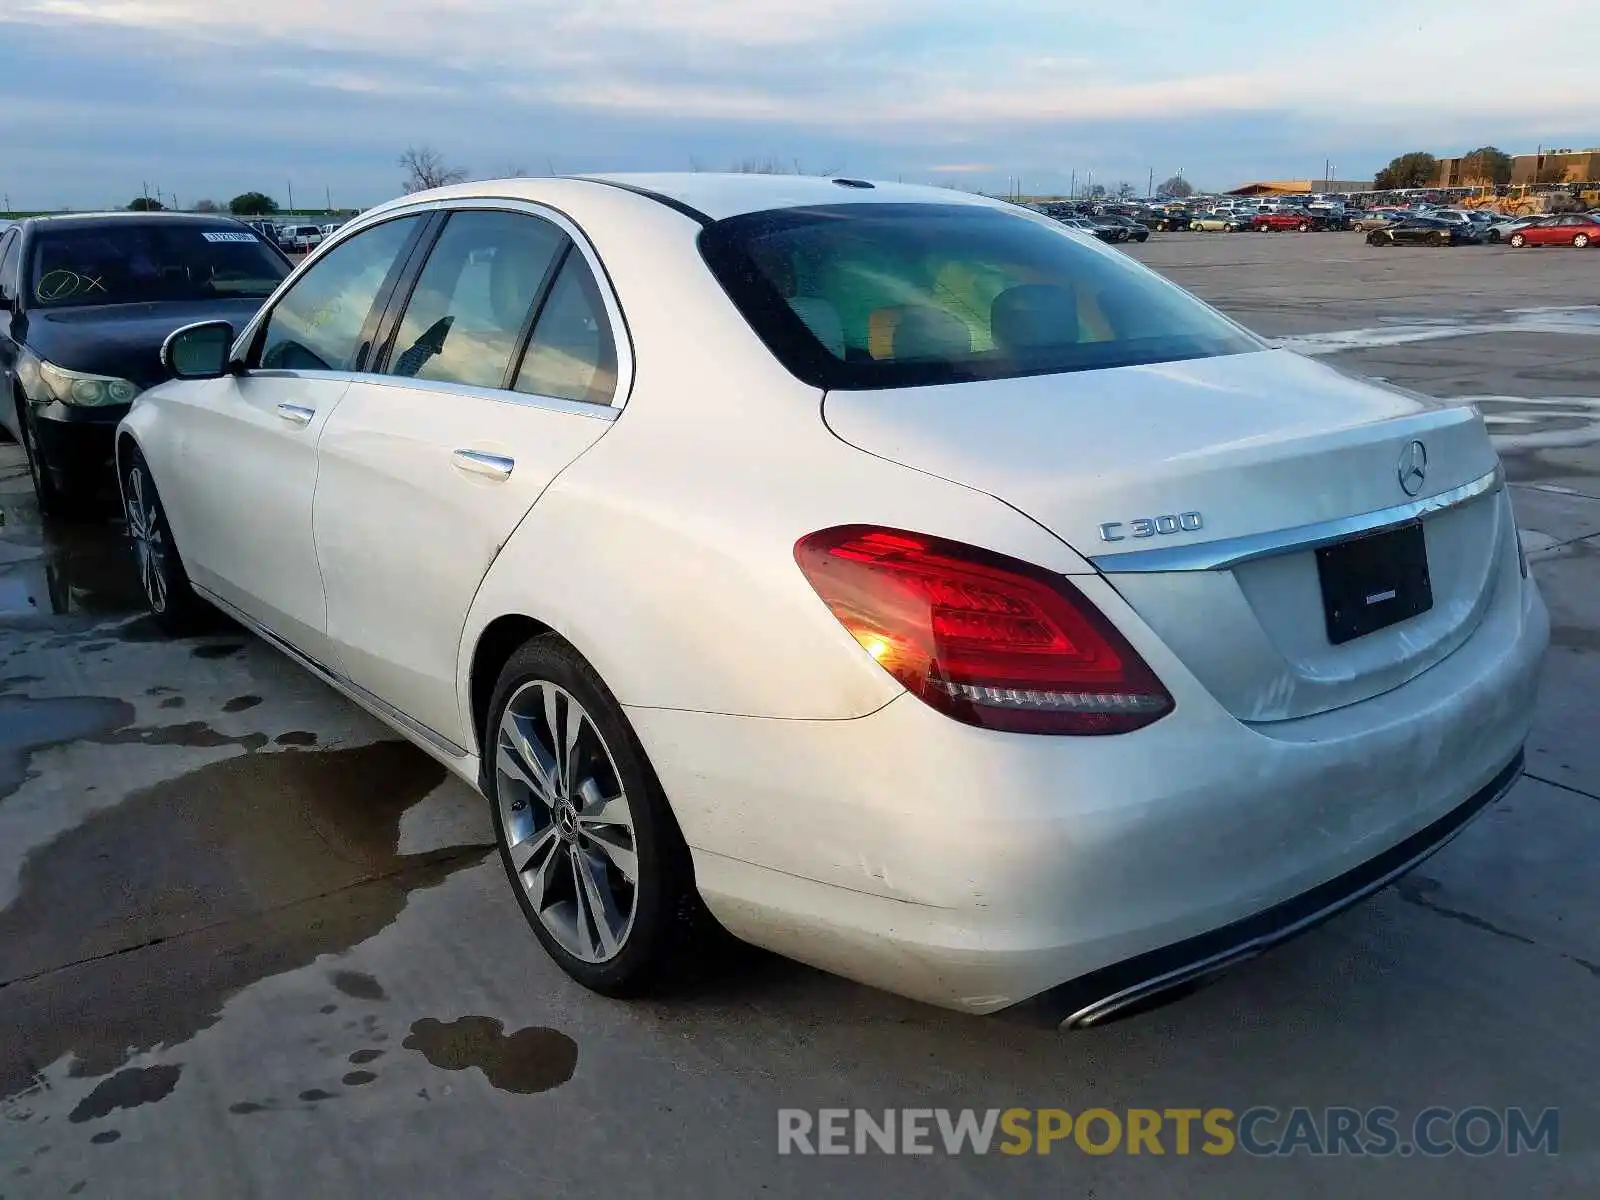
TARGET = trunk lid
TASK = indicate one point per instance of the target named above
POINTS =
(1254, 444)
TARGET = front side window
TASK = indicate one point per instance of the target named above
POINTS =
(125, 261)
(900, 295)
(473, 299)
(317, 325)
(572, 354)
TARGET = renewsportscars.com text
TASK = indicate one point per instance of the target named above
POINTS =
(1260, 1131)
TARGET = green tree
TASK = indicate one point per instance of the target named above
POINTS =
(1177, 187)
(253, 204)
(1413, 170)
(145, 204)
(1487, 164)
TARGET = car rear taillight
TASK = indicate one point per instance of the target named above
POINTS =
(986, 639)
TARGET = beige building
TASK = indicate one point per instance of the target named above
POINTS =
(1300, 187)
(1557, 166)
(1553, 166)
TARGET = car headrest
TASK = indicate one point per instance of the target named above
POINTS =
(1035, 315)
(925, 332)
(514, 275)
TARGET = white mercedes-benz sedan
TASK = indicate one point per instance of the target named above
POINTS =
(917, 588)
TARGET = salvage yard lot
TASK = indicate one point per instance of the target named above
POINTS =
(248, 943)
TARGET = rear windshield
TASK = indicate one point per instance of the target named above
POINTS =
(131, 262)
(904, 295)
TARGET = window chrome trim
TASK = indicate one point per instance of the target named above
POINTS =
(328, 675)
(1226, 553)
(576, 408)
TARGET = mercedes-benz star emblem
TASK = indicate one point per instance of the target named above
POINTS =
(1413, 468)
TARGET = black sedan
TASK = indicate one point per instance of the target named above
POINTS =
(1423, 231)
(1136, 231)
(85, 305)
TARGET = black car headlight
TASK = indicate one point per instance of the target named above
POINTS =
(43, 382)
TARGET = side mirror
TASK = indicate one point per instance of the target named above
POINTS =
(198, 351)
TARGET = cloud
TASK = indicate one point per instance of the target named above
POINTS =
(1034, 87)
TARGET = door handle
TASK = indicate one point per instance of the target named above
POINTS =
(491, 466)
(298, 413)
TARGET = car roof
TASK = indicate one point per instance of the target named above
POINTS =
(706, 196)
(103, 219)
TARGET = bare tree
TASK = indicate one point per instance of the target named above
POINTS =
(1125, 190)
(207, 206)
(512, 171)
(425, 168)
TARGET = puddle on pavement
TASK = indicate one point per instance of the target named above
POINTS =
(1522, 423)
(530, 1060)
(358, 985)
(30, 725)
(65, 569)
(127, 1089)
(133, 929)
(189, 733)
(1577, 319)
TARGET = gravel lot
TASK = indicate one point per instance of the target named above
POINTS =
(252, 946)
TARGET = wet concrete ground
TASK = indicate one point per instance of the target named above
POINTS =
(251, 946)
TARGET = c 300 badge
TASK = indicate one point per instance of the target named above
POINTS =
(1145, 527)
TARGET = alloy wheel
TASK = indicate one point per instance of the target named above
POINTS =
(568, 825)
(149, 538)
(1581, 240)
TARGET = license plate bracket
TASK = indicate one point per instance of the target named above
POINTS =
(1374, 581)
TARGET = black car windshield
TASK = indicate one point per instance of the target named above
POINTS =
(130, 262)
(902, 295)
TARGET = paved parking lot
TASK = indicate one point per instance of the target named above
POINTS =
(252, 946)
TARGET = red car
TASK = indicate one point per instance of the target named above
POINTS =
(1272, 221)
(1574, 229)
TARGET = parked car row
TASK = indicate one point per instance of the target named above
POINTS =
(734, 535)
(295, 239)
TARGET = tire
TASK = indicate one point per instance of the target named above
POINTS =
(1518, 241)
(1580, 240)
(52, 500)
(173, 604)
(616, 818)
(1303, 227)
(1493, 237)
(1377, 238)
(1436, 239)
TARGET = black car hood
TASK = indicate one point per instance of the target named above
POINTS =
(122, 340)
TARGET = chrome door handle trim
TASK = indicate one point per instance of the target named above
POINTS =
(492, 466)
(298, 413)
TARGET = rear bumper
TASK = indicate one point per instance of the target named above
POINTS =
(1095, 997)
(977, 870)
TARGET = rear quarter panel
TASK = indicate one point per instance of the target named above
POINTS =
(665, 554)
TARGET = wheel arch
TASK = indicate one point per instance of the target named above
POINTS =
(498, 641)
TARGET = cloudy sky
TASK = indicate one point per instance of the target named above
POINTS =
(208, 98)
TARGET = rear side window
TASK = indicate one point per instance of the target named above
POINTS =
(572, 355)
(474, 298)
(901, 295)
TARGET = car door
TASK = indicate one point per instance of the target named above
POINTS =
(1545, 232)
(427, 469)
(239, 488)
(10, 282)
